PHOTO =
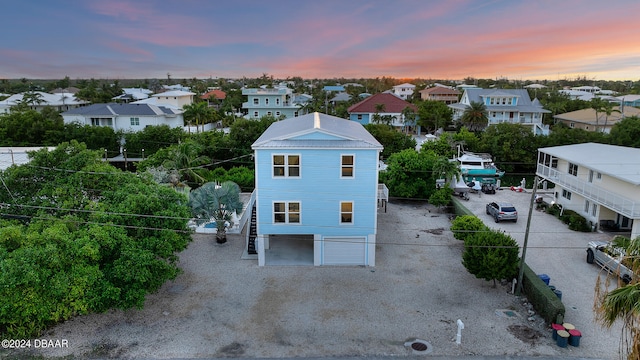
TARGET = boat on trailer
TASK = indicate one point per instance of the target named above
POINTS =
(479, 166)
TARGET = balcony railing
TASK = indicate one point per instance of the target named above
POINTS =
(616, 202)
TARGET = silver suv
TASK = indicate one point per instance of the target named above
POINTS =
(502, 211)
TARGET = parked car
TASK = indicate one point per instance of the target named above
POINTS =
(502, 211)
(610, 258)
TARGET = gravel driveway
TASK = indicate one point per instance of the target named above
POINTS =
(222, 306)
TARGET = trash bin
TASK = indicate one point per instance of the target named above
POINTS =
(574, 337)
(563, 338)
(568, 326)
(556, 328)
(545, 278)
(558, 293)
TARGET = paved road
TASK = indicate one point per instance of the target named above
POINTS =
(555, 250)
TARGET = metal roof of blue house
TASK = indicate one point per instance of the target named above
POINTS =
(347, 133)
(333, 88)
(113, 109)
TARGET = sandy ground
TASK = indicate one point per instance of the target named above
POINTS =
(222, 306)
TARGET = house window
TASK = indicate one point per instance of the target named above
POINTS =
(346, 212)
(278, 101)
(566, 194)
(594, 210)
(590, 175)
(598, 176)
(347, 167)
(135, 121)
(286, 165)
(255, 114)
(359, 116)
(286, 212)
(269, 113)
(256, 101)
(572, 125)
(266, 101)
(277, 113)
(586, 206)
(295, 114)
(573, 169)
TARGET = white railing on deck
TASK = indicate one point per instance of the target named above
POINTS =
(609, 199)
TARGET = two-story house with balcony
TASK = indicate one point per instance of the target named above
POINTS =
(404, 91)
(276, 102)
(443, 94)
(505, 105)
(600, 182)
(316, 191)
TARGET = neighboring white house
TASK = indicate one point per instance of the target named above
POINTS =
(133, 94)
(127, 117)
(175, 99)
(598, 181)
(60, 101)
(578, 94)
(403, 91)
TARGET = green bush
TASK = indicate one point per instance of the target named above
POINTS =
(543, 299)
(579, 223)
(441, 197)
(491, 255)
(467, 225)
(553, 210)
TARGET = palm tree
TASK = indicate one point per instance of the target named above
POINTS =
(185, 158)
(409, 117)
(32, 98)
(475, 117)
(446, 169)
(217, 202)
(622, 303)
(607, 108)
(597, 104)
(197, 111)
(377, 118)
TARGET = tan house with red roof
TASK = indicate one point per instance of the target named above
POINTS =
(383, 107)
(440, 93)
(214, 94)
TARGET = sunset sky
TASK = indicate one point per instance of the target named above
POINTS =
(524, 40)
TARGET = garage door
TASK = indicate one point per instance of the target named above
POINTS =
(344, 251)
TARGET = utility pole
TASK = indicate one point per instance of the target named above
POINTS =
(526, 237)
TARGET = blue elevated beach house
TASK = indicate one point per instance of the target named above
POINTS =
(316, 190)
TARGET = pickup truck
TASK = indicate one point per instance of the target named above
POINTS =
(609, 257)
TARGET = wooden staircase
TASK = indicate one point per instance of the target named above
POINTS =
(253, 232)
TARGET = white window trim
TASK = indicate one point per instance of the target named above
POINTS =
(353, 207)
(353, 167)
(286, 166)
(286, 212)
